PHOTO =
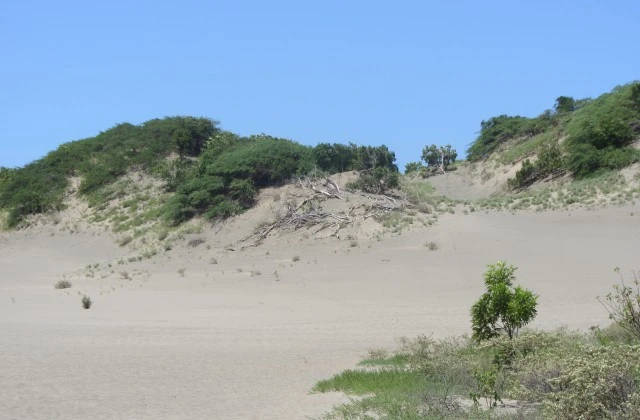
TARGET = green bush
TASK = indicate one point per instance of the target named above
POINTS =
(524, 176)
(376, 181)
(264, 160)
(550, 159)
(601, 131)
(595, 383)
(243, 191)
(585, 160)
(434, 155)
(623, 304)
(550, 162)
(502, 308)
(40, 186)
(225, 180)
(333, 158)
(498, 130)
(413, 167)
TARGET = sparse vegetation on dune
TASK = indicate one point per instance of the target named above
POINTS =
(86, 302)
(62, 284)
(144, 181)
(543, 374)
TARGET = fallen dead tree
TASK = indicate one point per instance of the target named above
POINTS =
(310, 210)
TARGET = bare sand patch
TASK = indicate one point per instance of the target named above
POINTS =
(247, 337)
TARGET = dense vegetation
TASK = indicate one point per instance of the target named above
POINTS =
(581, 137)
(210, 172)
(215, 173)
(40, 186)
(558, 374)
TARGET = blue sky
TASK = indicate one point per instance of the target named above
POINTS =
(404, 73)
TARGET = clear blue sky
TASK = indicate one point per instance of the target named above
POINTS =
(403, 73)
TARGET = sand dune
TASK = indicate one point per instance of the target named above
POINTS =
(235, 340)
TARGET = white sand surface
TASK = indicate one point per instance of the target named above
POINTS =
(221, 342)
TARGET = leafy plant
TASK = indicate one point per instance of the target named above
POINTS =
(623, 304)
(413, 167)
(489, 382)
(434, 155)
(502, 308)
(524, 176)
(376, 181)
(41, 185)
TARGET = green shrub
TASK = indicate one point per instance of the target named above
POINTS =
(264, 160)
(243, 191)
(524, 176)
(502, 308)
(623, 305)
(335, 157)
(498, 130)
(601, 131)
(376, 181)
(413, 167)
(40, 186)
(583, 160)
(223, 208)
(597, 383)
(434, 155)
(550, 159)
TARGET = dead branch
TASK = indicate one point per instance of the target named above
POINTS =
(333, 184)
(328, 194)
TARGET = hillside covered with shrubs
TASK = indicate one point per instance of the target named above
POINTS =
(208, 171)
(215, 174)
(583, 137)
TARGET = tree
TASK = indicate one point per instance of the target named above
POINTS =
(376, 181)
(502, 308)
(565, 104)
(635, 95)
(436, 156)
(413, 167)
(182, 141)
(335, 157)
(370, 157)
(5, 174)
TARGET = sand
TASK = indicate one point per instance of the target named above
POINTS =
(233, 340)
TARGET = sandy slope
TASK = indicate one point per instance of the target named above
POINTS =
(221, 342)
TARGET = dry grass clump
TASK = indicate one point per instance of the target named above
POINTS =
(86, 302)
(195, 242)
(432, 246)
(62, 284)
(125, 240)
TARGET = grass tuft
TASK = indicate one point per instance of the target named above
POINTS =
(86, 302)
(62, 284)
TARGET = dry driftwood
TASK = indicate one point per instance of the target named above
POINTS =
(308, 212)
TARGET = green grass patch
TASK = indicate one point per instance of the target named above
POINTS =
(361, 382)
(524, 148)
(398, 360)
